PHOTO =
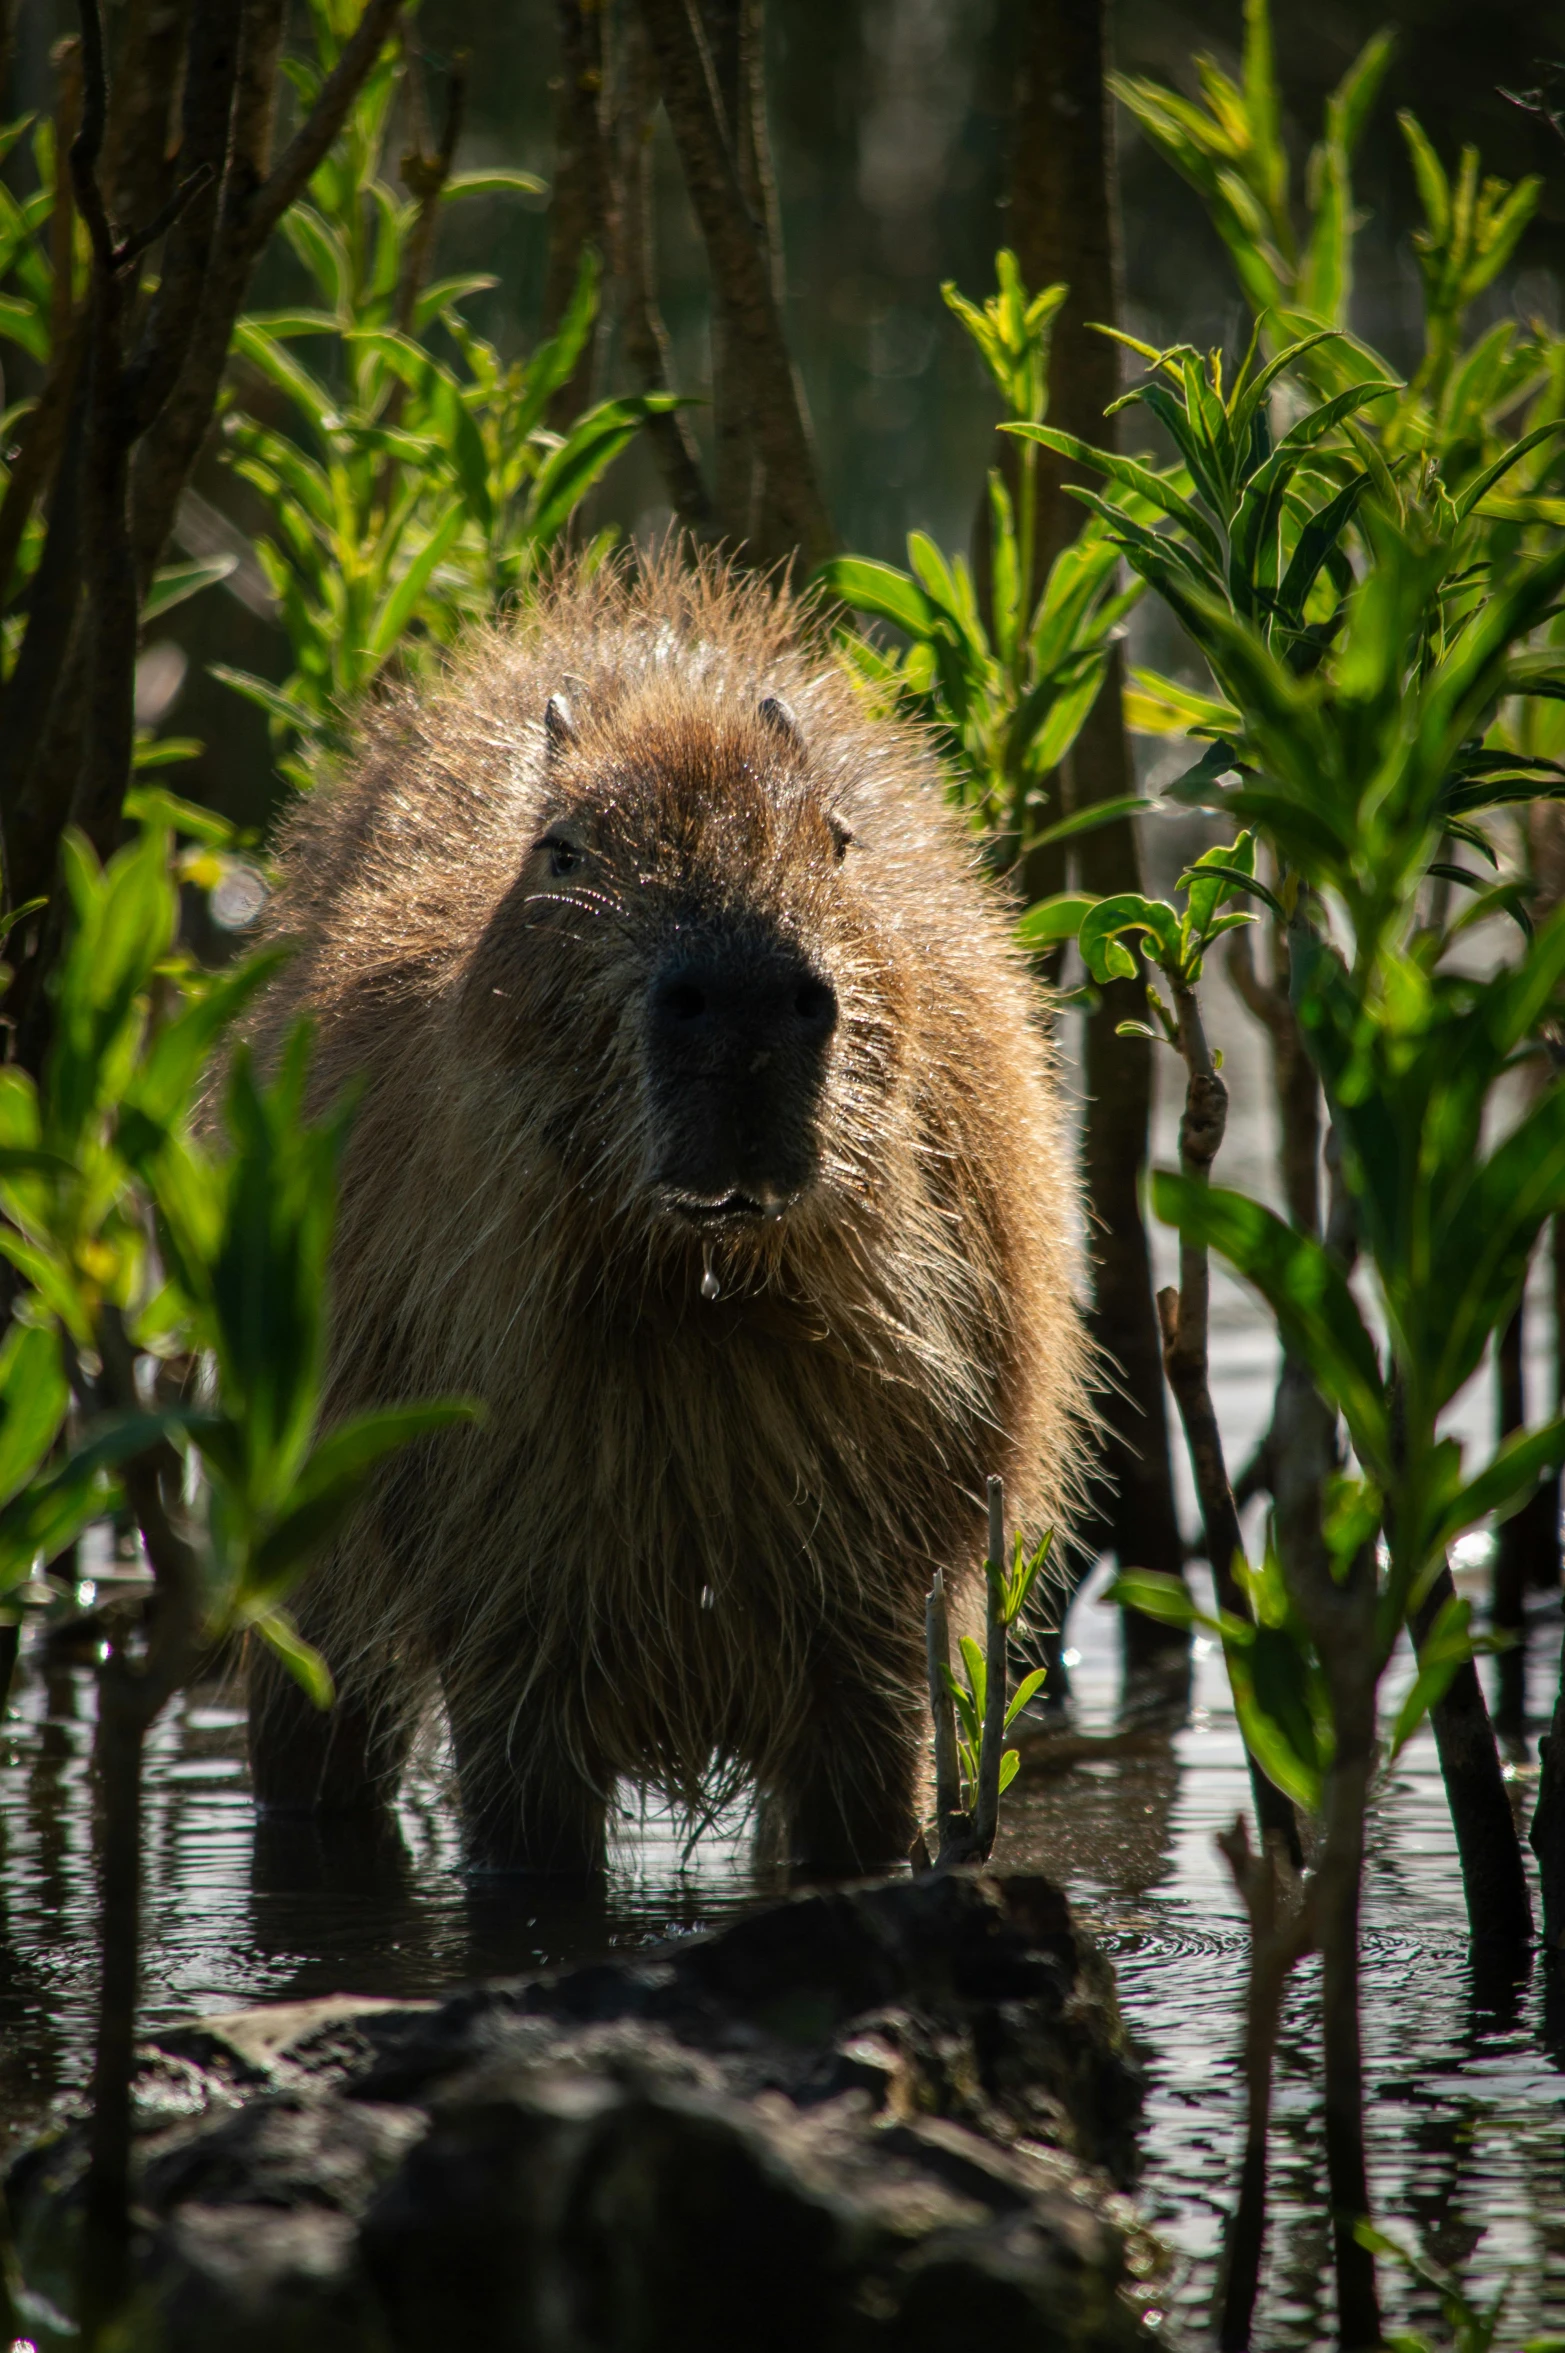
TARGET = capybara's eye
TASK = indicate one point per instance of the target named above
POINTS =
(564, 857)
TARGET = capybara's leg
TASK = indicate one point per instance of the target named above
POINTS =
(345, 1759)
(852, 1793)
(524, 1815)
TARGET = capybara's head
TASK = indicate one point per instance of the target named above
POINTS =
(688, 970)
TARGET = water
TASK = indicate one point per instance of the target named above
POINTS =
(1466, 2084)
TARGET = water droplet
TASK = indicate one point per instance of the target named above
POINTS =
(710, 1286)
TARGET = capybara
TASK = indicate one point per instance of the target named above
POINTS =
(708, 1134)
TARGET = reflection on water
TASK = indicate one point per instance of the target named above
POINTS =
(1467, 2088)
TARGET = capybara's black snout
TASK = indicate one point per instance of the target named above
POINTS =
(737, 1035)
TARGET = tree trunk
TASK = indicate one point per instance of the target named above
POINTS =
(579, 208)
(747, 323)
(1063, 225)
(643, 333)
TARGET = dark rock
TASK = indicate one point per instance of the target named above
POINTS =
(896, 2116)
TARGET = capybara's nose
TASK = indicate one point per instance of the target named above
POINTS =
(737, 1032)
(710, 1008)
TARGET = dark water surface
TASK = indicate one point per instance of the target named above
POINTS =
(1466, 2083)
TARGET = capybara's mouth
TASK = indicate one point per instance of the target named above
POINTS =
(728, 1208)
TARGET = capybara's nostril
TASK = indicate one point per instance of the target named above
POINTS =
(815, 1008)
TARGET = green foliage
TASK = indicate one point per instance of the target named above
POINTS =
(135, 1238)
(1006, 693)
(1473, 2328)
(1232, 153)
(1257, 523)
(1371, 572)
(414, 485)
(1011, 1588)
(33, 313)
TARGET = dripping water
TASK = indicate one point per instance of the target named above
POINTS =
(710, 1286)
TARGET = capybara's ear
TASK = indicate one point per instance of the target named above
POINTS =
(558, 726)
(775, 713)
(841, 834)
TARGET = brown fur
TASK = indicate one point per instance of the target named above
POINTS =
(690, 1544)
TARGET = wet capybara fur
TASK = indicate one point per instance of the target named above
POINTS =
(709, 1136)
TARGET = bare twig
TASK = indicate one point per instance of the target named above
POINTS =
(424, 175)
(743, 297)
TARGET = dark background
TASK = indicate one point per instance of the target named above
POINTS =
(892, 128)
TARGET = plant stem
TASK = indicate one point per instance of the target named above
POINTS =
(1340, 1614)
(1494, 1878)
(986, 1809)
(1338, 1877)
(1278, 1910)
(1184, 1315)
(949, 1818)
(117, 1759)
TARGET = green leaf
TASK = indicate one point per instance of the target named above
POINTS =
(870, 587)
(331, 1486)
(1048, 920)
(1027, 1689)
(977, 1674)
(1506, 1482)
(34, 1397)
(1447, 1647)
(1156, 1595)
(154, 804)
(1088, 819)
(498, 181)
(594, 442)
(1155, 488)
(399, 605)
(303, 1662)
(271, 699)
(1102, 926)
(175, 582)
(1483, 483)
(1316, 1312)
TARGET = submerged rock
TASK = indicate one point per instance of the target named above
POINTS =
(895, 2116)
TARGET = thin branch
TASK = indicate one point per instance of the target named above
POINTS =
(87, 145)
(424, 177)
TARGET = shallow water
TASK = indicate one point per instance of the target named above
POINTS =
(1466, 2084)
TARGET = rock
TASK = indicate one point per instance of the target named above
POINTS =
(892, 2116)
